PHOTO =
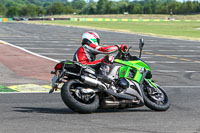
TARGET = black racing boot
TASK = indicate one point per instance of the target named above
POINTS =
(103, 73)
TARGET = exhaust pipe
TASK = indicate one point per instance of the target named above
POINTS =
(96, 83)
(93, 82)
(110, 104)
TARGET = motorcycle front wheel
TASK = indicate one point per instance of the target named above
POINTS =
(75, 100)
(156, 98)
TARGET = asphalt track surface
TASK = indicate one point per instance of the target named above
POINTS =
(175, 65)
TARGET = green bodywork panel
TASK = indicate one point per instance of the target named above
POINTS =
(132, 67)
(68, 63)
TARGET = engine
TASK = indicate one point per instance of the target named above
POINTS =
(121, 85)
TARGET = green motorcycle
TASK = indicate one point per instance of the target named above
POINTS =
(128, 85)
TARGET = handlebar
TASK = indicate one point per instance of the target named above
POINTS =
(124, 55)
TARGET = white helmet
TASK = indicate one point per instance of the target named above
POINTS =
(90, 37)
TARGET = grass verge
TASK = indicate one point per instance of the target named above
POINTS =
(6, 89)
(181, 30)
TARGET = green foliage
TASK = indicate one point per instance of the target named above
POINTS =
(78, 4)
(55, 8)
(12, 12)
(34, 8)
(101, 6)
(29, 11)
(2, 10)
(91, 8)
(40, 11)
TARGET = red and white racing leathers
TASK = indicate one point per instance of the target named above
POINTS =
(86, 54)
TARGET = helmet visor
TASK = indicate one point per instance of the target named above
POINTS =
(96, 40)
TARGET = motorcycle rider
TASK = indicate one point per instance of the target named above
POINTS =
(86, 54)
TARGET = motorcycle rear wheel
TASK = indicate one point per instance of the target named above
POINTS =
(157, 105)
(73, 102)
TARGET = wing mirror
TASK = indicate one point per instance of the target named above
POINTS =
(141, 44)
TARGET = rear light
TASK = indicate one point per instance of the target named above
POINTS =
(58, 66)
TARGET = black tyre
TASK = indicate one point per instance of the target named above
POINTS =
(156, 101)
(75, 103)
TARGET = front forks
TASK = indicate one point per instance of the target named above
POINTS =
(153, 88)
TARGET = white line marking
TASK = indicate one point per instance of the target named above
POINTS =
(28, 51)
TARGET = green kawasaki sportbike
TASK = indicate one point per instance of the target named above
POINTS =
(128, 85)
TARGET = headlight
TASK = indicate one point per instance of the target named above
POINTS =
(142, 70)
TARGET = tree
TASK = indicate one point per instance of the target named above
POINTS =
(47, 4)
(13, 12)
(69, 10)
(112, 8)
(91, 8)
(183, 8)
(174, 6)
(32, 8)
(101, 6)
(147, 9)
(29, 11)
(123, 6)
(135, 8)
(78, 4)
(57, 8)
(40, 11)
(35, 2)
(11, 4)
(2, 10)
(190, 7)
